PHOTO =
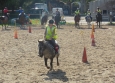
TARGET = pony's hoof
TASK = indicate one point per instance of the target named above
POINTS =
(57, 64)
(48, 67)
(51, 71)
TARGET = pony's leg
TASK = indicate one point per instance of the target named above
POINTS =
(88, 24)
(45, 59)
(5, 27)
(57, 62)
(99, 24)
(2, 26)
(75, 24)
(78, 25)
(51, 64)
(57, 26)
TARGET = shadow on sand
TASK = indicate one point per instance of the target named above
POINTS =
(57, 74)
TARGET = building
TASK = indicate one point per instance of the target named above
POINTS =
(105, 5)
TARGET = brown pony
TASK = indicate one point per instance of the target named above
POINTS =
(99, 19)
(57, 20)
(77, 19)
(44, 19)
(4, 21)
(22, 20)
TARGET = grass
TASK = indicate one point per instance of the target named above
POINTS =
(35, 21)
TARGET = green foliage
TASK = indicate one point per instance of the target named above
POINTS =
(35, 21)
(26, 4)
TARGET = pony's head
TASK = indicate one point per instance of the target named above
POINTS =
(44, 19)
(41, 47)
(88, 18)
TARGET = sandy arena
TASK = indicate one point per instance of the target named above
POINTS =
(19, 61)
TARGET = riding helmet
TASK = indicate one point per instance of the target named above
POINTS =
(51, 21)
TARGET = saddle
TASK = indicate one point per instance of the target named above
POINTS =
(56, 47)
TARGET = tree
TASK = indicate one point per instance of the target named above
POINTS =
(27, 4)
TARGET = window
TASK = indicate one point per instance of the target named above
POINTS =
(105, 12)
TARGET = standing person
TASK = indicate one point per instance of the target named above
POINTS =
(5, 11)
(28, 19)
(51, 35)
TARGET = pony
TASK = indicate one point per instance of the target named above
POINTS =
(88, 20)
(4, 20)
(98, 19)
(16, 20)
(77, 19)
(44, 19)
(47, 50)
(57, 19)
(21, 20)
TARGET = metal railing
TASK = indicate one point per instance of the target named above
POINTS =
(15, 14)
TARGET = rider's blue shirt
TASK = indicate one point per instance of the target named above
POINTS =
(20, 10)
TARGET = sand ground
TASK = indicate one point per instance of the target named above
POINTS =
(19, 62)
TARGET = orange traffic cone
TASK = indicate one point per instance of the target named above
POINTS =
(93, 29)
(15, 34)
(93, 42)
(29, 29)
(84, 58)
(92, 35)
